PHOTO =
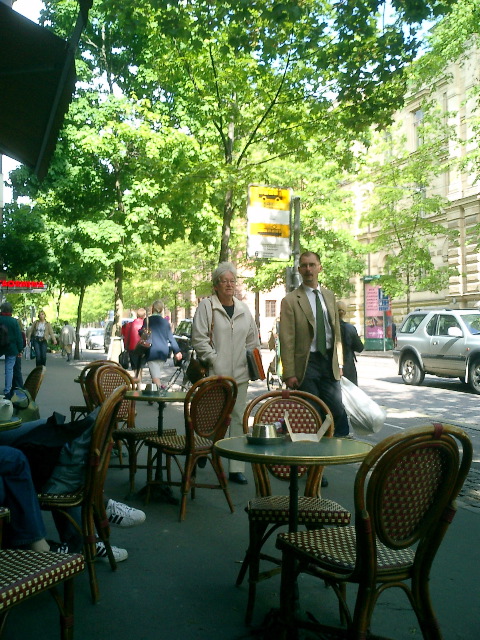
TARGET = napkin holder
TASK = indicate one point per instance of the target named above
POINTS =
(307, 437)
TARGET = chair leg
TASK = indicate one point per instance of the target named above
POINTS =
(222, 480)
(422, 605)
(66, 612)
(132, 464)
(151, 457)
(288, 596)
(89, 550)
(256, 529)
(186, 484)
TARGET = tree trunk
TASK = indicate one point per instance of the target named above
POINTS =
(117, 320)
(226, 226)
(228, 201)
(76, 354)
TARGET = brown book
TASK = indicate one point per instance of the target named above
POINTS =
(255, 365)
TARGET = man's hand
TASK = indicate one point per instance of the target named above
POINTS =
(292, 383)
(178, 356)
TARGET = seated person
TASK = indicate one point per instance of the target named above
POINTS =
(26, 529)
(57, 454)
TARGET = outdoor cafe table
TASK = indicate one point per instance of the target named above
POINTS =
(161, 398)
(11, 423)
(329, 451)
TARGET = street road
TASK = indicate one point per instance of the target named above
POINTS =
(439, 399)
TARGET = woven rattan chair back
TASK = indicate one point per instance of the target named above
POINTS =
(106, 379)
(34, 380)
(86, 380)
(207, 409)
(90, 497)
(306, 413)
(405, 490)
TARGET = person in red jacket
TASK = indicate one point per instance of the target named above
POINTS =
(131, 338)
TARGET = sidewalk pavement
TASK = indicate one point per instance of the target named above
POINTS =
(179, 579)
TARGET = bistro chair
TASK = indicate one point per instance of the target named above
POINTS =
(24, 574)
(207, 410)
(107, 379)
(267, 512)
(405, 491)
(85, 379)
(34, 380)
(90, 497)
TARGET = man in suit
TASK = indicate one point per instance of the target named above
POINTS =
(310, 341)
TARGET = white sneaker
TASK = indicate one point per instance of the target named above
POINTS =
(119, 554)
(122, 515)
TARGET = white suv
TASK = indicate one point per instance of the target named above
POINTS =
(443, 342)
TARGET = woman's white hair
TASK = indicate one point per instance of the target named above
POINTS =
(221, 270)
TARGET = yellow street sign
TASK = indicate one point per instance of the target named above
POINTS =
(269, 197)
(266, 229)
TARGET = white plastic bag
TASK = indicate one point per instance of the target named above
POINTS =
(365, 415)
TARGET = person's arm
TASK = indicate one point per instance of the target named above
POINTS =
(173, 343)
(252, 337)
(287, 342)
(202, 321)
(49, 331)
(357, 344)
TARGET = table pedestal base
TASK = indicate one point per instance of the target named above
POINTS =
(303, 628)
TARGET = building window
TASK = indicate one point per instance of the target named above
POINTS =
(270, 308)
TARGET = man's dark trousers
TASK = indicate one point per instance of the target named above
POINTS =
(320, 381)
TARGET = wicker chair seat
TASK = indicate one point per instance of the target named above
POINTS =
(177, 443)
(310, 511)
(134, 432)
(63, 500)
(335, 550)
(26, 573)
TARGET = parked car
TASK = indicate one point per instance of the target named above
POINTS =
(442, 342)
(94, 339)
(183, 335)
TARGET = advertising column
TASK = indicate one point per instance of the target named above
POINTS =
(378, 316)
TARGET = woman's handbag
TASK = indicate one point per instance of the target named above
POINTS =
(143, 346)
(196, 370)
(124, 359)
(365, 415)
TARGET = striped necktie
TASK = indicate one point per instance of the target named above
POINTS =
(320, 323)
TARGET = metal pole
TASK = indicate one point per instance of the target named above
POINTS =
(294, 280)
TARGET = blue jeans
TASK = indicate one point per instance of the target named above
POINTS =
(18, 494)
(9, 364)
(17, 382)
(320, 381)
(40, 347)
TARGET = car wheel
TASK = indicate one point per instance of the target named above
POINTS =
(411, 371)
(474, 375)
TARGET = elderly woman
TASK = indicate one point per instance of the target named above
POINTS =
(162, 339)
(234, 331)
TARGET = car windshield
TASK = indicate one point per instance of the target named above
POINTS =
(96, 332)
(473, 323)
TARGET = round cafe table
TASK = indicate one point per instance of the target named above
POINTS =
(328, 451)
(12, 423)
